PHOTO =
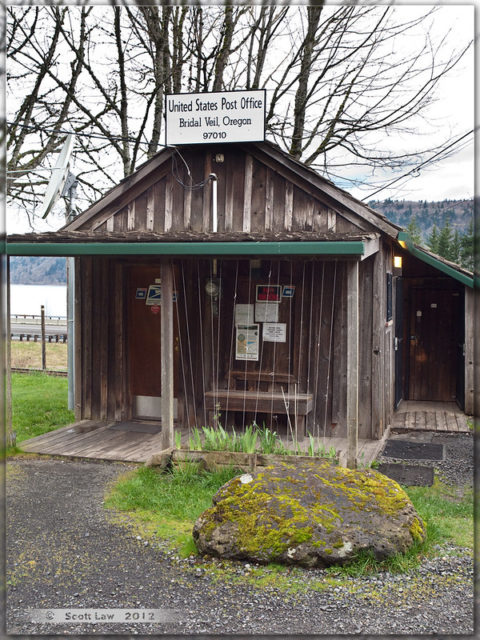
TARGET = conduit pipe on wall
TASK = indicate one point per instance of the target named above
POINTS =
(214, 179)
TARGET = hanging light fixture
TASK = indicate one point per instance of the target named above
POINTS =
(397, 265)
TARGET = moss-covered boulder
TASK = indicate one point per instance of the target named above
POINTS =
(313, 514)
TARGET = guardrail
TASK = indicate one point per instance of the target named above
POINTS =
(25, 321)
(36, 337)
(29, 318)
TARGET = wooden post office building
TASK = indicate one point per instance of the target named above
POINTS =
(233, 284)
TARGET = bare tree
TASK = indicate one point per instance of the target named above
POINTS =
(340, 82)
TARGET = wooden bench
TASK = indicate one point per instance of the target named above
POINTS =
(226, 400)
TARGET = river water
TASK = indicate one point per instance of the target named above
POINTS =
(28, 298)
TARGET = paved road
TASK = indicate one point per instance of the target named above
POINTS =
(34, 329)
(64, 552)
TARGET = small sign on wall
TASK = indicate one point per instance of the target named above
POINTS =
(288, 291)
(141, 293)
(266, 312)
(274, 332)
(247, 342)
(268, 293)
(244, 314)
(154, 294)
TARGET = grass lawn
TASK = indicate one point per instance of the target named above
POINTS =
(166, 505)
(28, 355)
(39, 404)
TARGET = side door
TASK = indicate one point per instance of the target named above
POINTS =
(398, 341)
(144, 344)
(433, 337)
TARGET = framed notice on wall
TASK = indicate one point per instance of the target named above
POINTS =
(274, 332)
(244, 314)
(246, 343)
(266, 312)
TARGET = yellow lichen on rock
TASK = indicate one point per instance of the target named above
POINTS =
(312, 513)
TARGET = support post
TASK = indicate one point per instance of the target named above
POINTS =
(167, 355)
(71, 331)
(469, 347)
(11, 436)
(42, 329)
(352, 363)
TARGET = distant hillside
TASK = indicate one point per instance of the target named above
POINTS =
(427, 214)
(33, 270)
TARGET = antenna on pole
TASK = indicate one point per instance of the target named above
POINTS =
(60, 173)
(62, 183)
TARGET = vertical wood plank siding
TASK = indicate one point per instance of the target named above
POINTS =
(251, 197)
(352, 337)
(87, 313)
(472, 403)
(317, 321)
(78, 325)
(247, 194)
(378, 342)
(365, 348)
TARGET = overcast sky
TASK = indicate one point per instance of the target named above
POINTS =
(452, 178)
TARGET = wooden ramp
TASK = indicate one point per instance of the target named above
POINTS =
(127, 441)
(429, 416)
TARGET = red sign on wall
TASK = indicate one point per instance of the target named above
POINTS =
(155, 308)
(269, 293)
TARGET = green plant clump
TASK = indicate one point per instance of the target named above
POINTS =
(218, 439)
(254, 438)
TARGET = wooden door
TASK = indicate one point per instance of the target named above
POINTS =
(144, 344)
(398, 341)
(433, 337)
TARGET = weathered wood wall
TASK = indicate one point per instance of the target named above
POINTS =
(252, 197)
(101, 374)
(313, 361)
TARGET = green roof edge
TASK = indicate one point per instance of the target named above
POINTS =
(343, 248)
(428, 258)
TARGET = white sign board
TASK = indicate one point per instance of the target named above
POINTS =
(200, 118)
(247, 342)
(244, 314)
(274, 332)
(266, 312)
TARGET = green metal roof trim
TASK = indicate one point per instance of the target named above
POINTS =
(435, 262)
(339, 248)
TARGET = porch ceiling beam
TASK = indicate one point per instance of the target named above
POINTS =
(370, 247)
(355, 248)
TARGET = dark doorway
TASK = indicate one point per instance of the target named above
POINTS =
(144, 343)
(398, 341)
(433, 335)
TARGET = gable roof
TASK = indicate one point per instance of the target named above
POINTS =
(264, 152)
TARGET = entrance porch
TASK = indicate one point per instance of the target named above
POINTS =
(136, 441)
(413, 415)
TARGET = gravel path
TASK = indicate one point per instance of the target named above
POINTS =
(64, 552)
(457, 466)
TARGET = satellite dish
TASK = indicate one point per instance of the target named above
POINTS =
(59, 176)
